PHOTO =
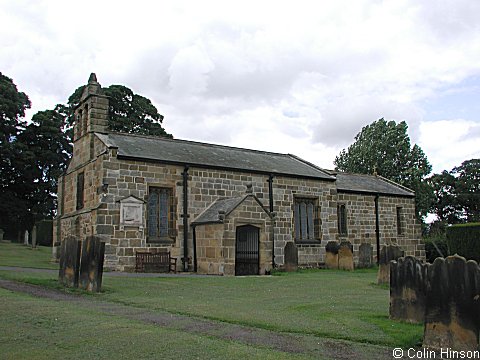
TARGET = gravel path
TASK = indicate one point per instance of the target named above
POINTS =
(286, 342)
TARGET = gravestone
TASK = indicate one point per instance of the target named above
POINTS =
(91, 264)
(452, 317)
(291, 257)
(345, 256)
(365, 256)
(331, 255)
(387, 254)
(408, 286)
(1, 234)
(25, 238)
(69, 262)
(34, 236)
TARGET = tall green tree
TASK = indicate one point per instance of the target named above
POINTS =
(384, 147)
(457, 193)
(445, 205)
(46, 156)
(13, 104)
(468, 188)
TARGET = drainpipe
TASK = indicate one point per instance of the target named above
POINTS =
(194, 234)
(270, 191)
(270, 201)
(377, 228)
(185, 218)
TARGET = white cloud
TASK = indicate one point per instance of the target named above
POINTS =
(300, 77)
(448, 143)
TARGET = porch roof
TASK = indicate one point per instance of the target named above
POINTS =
(223, 207)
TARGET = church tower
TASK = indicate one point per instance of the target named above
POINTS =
(91, 114)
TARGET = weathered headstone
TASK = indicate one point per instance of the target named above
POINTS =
(365, 255)
(25, 238)
(291, 257)
(452, 317)
(408, 286)
(34, 236)
(91, 264)
(387, 254)
(1, 234)
(70, 262)
(331, 255)
(345, 256)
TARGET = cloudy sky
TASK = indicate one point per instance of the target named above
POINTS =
(298, 77)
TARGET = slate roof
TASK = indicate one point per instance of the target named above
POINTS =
(184, 152)
(225, 205)
(371, 184)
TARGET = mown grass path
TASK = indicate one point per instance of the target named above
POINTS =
(288, 344)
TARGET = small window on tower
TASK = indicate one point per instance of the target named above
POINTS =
(85, 119)
(80, 188)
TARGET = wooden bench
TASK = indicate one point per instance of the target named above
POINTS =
(146, 261)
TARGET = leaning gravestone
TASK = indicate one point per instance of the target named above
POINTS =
(91, 264)
(452, 317)
(365, 255)
(69, 262)
(291, 257)
(345, 256)
(408, 286)
(387, 254)
(331, 255)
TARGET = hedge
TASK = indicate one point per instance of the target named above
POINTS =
(464, 240)
(431, 252)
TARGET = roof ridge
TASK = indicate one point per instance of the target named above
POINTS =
(396, 184)
(297, 158)
(197, 143)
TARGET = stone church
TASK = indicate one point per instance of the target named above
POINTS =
(217, 209)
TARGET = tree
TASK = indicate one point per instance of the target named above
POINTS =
(128, 112)
(445, 205)
(46, 157)
(384, 148)
(457, 193)
(13, 104)
(468, 188)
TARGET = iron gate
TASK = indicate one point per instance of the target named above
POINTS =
(246, 250)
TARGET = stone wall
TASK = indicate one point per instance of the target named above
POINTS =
(82, 222)
(129, 177)
(216, 242)
(361, 223)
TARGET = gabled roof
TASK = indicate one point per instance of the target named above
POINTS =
(370, 184)
(182, 152)
(212, 214)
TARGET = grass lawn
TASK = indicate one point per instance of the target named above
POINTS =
(35, 328)
(14, 254)
(333, 304)
(322, 303)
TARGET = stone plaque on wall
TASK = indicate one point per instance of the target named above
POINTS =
(131, 212)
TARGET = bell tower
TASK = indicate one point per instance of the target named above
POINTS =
(91, 114)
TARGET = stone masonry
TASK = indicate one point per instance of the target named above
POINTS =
(110, 178)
